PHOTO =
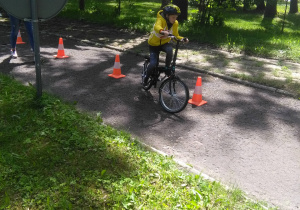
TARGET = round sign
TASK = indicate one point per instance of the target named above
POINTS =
(46, 9)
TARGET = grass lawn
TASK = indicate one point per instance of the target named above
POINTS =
(242, 33)
(54, 157)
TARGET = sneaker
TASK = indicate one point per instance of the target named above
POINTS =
(13, 53)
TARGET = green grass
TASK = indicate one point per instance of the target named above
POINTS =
(242, 33)
(54, 157)
(251, 34)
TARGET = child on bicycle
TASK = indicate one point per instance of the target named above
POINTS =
(166, 23)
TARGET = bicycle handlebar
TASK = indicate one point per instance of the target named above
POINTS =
(174, 37)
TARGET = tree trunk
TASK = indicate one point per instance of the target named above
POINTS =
(293, 7)
(246, 5)
(260, 5)
(164, 3)
(81, 5)
(271, 9)
(233, 3)
(183, 5)
(202, 10)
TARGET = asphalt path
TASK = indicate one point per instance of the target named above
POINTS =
(244, 137)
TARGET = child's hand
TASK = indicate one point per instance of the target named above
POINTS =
(185, 40)
(165, 33)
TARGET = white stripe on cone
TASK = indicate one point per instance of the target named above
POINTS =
(60, 47)
(117, 65)
(198, 90)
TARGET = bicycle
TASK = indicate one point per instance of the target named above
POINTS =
(173, 92)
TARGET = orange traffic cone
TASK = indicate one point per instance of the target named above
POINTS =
(61, 51)
(117, 69)
(197, 97)
(19, 39)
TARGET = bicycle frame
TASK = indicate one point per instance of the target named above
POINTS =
(175, 55)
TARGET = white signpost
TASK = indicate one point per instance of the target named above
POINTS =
(34, 11)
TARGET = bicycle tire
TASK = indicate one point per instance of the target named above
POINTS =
(149, 84)
(144, 71)
(173, 95)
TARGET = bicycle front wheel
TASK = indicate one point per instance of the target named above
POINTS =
(173, 95)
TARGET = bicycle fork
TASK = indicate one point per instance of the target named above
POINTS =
(172, 90)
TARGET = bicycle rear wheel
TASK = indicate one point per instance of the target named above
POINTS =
(144, 73)
(173, 95)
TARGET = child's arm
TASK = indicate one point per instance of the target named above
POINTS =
(175, 31)
(158, 27)
(176, 34)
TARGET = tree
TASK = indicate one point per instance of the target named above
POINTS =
(232, 3)
(203, 10)
(293, 7)
(183, 5)
(119, 8)
(246, 5)
(81, 5)
(271, 9)
(260, 5)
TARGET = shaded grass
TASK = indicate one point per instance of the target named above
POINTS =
(54, 157)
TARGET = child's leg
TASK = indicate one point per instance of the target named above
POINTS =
(154, 53)
(29, 29)
(153, 62)
(168, 49)
(15, 26)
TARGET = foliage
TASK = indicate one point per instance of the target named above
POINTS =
(135, 14)
(54, 157)
(210, 12)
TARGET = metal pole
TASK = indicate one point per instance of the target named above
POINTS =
(34, 17)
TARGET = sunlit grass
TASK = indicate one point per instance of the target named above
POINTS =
(256, 36)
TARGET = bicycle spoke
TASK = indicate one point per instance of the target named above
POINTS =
(175, 103)
(177, 99)
(166, 89)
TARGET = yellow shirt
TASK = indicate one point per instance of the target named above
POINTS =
(157, 39)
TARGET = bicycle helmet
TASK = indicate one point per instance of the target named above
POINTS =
(171, 9)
